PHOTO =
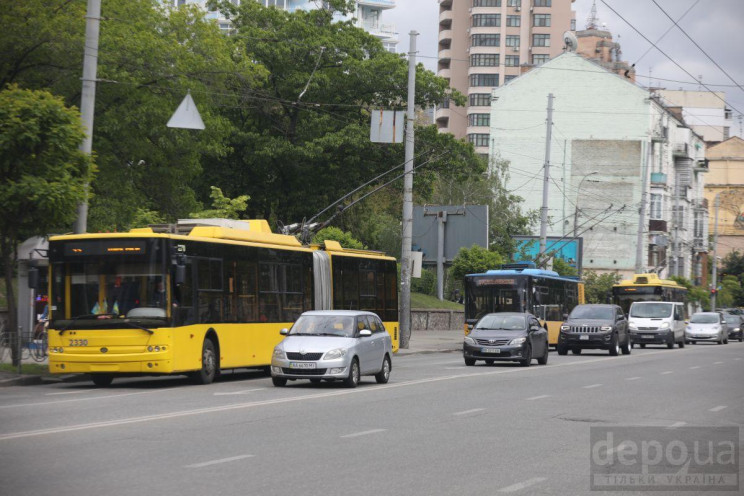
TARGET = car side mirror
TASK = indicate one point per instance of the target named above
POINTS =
(284, 331)
(565, 316)
(364, 333)
(723, 322)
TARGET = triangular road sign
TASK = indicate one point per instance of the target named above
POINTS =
(186, 115)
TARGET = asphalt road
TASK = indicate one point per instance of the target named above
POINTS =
(438, 427)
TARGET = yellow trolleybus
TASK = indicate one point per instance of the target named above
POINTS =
(647, 287)
(198, 297)
(521, 287)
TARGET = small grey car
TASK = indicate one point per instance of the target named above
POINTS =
(333, 345)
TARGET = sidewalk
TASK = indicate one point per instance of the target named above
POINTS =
(420, 342)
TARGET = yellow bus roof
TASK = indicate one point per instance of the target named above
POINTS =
(651, 279)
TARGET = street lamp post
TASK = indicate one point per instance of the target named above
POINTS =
(578, 196)
(714, 278)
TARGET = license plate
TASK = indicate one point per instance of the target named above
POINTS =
(648, 336)
(490, 350)
(584, 337)
(301, 365)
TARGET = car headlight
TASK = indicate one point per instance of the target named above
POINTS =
(469, 340)
(736, 329)
(334, 354)
(517, 341)
(632, 327)
(279, 353)
(605, 328)
(716, 328)
(565, 328)
(664, 325)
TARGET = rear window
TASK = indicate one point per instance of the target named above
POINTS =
(651, 310)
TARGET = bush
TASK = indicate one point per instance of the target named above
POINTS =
(426, 284)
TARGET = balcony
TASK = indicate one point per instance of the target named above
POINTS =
(445, 17)
(445, 3)
(445, 73)
(655, 225)
(680, 150)
(445, 55)
(445, 36)
(380, 4)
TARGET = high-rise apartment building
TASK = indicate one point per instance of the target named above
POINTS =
(367, 15)
(484, 44)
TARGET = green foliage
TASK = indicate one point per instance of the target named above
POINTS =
(223, 207)
(695, 294)
(733, 264)
(474, 260)
(421, 301)
(563, 268)
(598, 287)
(426, 284)
(334, 233)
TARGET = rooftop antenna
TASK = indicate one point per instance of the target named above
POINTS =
(592, 22)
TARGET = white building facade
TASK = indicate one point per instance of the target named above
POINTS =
(613, 149)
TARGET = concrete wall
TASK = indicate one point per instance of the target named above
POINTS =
(437, 320)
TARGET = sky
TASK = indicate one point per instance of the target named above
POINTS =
(717, 26)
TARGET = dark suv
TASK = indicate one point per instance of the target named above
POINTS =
(595, 326)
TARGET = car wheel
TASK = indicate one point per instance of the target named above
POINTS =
(527, 360)
(470, 362)
(576, 351)
(562, 349)
(102, 380)
(670, 343)
(543, 360)
(632, 345)
(353, 379)
(279, 381)
(725, 340)
(741, 337)
(626, 347)
(681, 344)
(614, 346)
(209, 367)
(384, 374)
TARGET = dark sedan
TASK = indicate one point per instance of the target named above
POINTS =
(506, 336)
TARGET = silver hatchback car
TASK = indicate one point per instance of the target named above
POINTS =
(333, 345)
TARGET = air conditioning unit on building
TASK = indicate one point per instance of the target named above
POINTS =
(659, 240)
(515, 49)
(517, 8)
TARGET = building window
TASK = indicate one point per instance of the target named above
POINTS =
(484, 60)
(486, 3)
(511, 60)
(485, 40)
(478, 139)
(479, 119)
(726, 132)
(541, 20)
(486, 20)
(480, 99)
(513, 3)
(699, 223)
(513, 21)
(656, 210)
(509, 78)
(540, 58)
(484, 80)
(542, 3)
(540, 40)
(512, 40)
(445, 103)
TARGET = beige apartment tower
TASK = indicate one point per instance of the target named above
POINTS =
(484, 44)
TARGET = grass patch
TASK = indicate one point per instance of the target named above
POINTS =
(26, 368)
(426, 302)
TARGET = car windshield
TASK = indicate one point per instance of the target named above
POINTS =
(588, 312)
(324, 325)
(651, 310)
(502, 322)
(704, 318)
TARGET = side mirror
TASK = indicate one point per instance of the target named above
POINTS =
(33, 278)
(364, 333)
(284, 331)
(723, 322)
(180, 274)
(565, 316)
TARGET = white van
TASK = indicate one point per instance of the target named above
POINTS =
(657, 322)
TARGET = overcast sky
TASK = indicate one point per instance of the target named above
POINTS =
(717, 26)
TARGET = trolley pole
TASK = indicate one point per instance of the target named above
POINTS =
(405, 253)
(541, 257)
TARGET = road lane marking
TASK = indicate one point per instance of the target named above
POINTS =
(232, 393)
(695, 367)
(216, 462)
(279, 401)
(737, 358)
(717, 363)
(521, 485)
(70, 392)
(364, 433)
(677, 424)
(718, 408)
(590, 386)
(104, 397)
(667, 372)
(465, 412)
(632, 378)
(538, 397)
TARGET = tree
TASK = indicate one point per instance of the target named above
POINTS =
(695, 294)
(43, 172)
(474, 260)
(598, 287)
(334, 233)
(223, 207)
(563, 268)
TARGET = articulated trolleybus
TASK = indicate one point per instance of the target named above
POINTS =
(198, 296)
(520, 287)
(647, 287)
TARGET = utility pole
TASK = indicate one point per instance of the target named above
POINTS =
(675, 225)
(88, 98)
(642, 213)
(714, 289)
(546, 182)
(405, 253)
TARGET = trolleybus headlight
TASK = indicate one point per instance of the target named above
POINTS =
(334, 354)
(279, 353)
(469, 340)
(149, 348)
(157, 348)
(517, 341)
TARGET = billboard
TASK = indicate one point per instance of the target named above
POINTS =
(461, 226)
(569, 249)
